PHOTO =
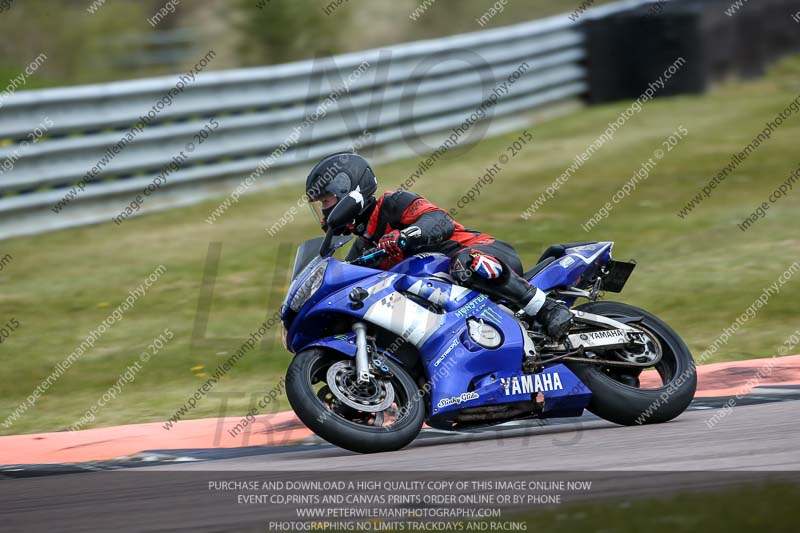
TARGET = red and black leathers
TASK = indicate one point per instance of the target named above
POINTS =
(438, 232)
(401, 209)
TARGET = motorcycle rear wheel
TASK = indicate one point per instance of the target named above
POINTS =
(618, 398)
(342, 423)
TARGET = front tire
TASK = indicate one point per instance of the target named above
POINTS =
(343, 425)
(618, 398)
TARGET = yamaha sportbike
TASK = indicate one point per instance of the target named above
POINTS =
(379, 353)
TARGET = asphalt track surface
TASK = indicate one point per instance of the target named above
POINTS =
(751, 443)
(755, 437)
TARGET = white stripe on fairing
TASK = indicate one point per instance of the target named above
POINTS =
(457, 292)
(422, 322)
(590, 259)
(412, 321)
(378, 287)
(405, 318)
(416, 287)
(436, 296)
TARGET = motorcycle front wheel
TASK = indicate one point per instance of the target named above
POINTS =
(384, 414)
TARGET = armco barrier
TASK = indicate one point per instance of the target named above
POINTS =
(401, 96)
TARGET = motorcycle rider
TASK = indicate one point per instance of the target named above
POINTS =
(478, 261)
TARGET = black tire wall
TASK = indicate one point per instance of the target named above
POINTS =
(629, 50)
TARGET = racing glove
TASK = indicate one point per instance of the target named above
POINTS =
(390, 243)
(395, 242)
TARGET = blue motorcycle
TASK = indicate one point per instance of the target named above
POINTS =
(379, 353)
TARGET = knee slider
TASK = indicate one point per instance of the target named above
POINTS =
(460, 269)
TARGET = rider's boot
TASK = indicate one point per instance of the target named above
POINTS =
(555, 317)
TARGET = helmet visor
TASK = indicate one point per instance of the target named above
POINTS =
(322, 206)
(316, 210)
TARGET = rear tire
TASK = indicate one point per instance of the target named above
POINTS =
(308, 368)
(628, 405)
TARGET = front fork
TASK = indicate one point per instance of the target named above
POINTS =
(362, 360)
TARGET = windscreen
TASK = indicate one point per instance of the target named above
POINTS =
(309, 250)
(306, 252)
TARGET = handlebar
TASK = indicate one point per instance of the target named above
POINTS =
(374, 253)
(371, 254)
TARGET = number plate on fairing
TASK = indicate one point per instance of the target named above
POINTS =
(619, 272)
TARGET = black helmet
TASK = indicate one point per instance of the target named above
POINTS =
(343, 175)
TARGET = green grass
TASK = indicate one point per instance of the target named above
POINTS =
(746, 509)
(698, 274)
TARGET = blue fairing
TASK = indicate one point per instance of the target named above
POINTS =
(414, 300)
(424, 265)
(575, 266)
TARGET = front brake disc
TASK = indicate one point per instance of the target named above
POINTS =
(373, 396)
